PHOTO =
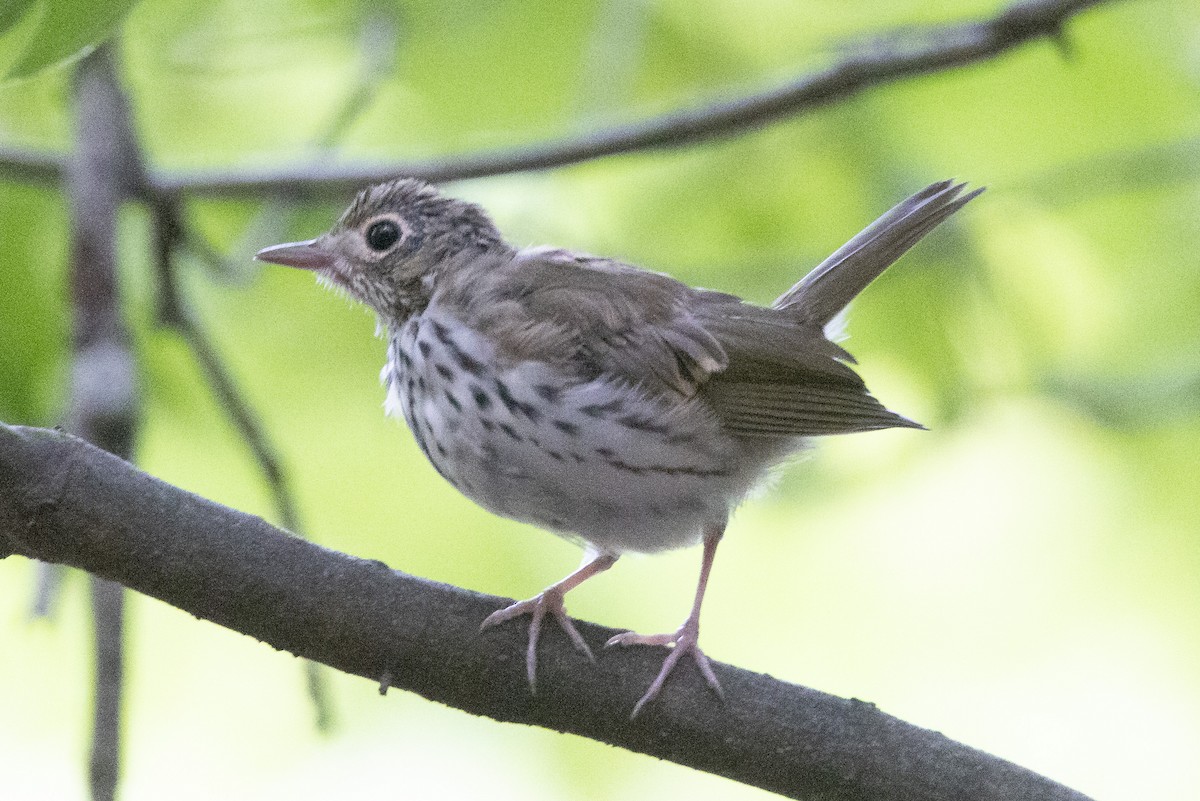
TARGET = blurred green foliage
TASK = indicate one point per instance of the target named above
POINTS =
(50, 32)
(1024, 577)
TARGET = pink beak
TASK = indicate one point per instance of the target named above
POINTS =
(304, 255)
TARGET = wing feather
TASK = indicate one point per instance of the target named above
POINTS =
(763, 372)
(601, 317)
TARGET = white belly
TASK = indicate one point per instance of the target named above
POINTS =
(597, 461)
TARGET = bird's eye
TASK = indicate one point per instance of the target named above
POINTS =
(382, 235)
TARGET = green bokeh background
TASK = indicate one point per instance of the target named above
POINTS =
(1024, 577)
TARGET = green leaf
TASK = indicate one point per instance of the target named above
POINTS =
(69, 29)
(12, 11)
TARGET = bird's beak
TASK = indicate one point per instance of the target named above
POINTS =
(308, 255)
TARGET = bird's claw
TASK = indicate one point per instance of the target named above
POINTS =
(683, 641)
(537, 607)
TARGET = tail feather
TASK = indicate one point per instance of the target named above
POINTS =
(822, 294)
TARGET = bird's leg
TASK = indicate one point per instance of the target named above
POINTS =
(551, 600)
(685, 639)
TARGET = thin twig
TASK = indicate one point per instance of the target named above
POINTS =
(377, 40)
(938, 49)
(172, 231)
(31, 166)
(202, 249)
(173, 313)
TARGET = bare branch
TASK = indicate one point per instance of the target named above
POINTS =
(174, 314)
(31, 166)
(65, 501)
(104, 397)
(108, 622)
(936, 50)
(939, 49)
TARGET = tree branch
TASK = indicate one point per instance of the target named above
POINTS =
(942, 48)
(104, 398)
(938, 49)
(65, 501)
(31, 166)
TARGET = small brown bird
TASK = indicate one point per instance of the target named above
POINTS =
(603, 402)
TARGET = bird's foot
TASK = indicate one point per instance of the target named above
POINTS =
(549, 601)
(683, 641)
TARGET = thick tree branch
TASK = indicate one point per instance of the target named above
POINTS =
(65, 501)
(938, 49)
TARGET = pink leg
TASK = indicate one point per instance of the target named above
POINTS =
(684, 640)
(550, 600)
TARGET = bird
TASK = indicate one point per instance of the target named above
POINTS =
(609, 404)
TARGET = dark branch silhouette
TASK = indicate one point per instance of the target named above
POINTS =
(65, 501)
(937, 49)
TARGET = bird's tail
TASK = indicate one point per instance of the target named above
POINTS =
(822, 294)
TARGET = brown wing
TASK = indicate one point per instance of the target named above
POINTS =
(785, 379)
(763, 372)
(596, 316)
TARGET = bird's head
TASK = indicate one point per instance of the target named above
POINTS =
(391, 244)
